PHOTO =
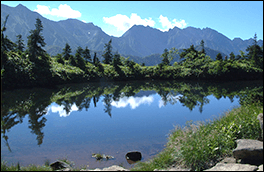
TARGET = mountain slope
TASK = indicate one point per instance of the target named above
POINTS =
(138, 41)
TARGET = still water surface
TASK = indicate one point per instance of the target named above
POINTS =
(77, 120)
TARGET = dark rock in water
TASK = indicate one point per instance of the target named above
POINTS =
(57, 165)
(133, 157)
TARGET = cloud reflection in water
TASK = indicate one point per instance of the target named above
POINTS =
(61, 109)
(134, 102)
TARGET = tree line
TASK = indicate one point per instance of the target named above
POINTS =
(32, 66)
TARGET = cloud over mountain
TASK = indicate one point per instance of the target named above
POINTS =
(64, 11)
(123, 22)
(166, 24)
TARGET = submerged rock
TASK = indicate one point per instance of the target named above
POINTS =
(57, 165)
(102, 156)
(133, 157)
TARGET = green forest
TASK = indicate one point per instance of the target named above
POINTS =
(31, 66)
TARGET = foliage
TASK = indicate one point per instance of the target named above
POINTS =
(108, 53)
(17, 167)
(36, 41)
(66, 52)
(35, 67)
(255, 52)
(87, 55)
(20, 44)
(219, 56)
(165, 60)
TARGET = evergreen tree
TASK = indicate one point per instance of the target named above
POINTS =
(202, 45)
(232, 56)
(6, 44)
(19, 42)
(165, 60)
(41, 60)
(219, 56)
(255, 53)
(79, 51)
(189, 54)
(108, 53)
(95, 59)
(86, 54)
(79, 59)
(36, 41)
(3, 46)
(59, 58)
(117, 60)
(66, 52)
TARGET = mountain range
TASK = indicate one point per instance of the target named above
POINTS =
(138, 42)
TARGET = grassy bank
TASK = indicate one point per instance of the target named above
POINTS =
(201, 145)
(45, 167)
(197, 146)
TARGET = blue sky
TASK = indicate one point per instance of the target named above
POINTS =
(232, 18)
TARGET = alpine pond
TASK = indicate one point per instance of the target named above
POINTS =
(112, 118)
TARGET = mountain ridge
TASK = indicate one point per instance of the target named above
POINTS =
(139, 40)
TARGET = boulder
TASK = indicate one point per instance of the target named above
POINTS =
(111, 168)
(232, 167)
(133, 157)
(260, 168)
(57, 165)
(229, 160)
(249, 151)
(173, 169)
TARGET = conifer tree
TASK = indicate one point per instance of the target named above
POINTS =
(108, 53)
(219, 56)
(202, 45)
(117, 59)
(255, 53)
(79, 59)
(86, 54)
(59, 58)
(3, 45)
(232, 56)
(95, 59)
(36, 41)
(19, 42)
(165, 59)
(6, 44)
(72, 60)
(66, 52)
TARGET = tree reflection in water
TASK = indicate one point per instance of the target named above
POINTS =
(34, 102)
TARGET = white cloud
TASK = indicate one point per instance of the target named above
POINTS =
(166, 24)
(123, 22)
(171, 99)
(61, 111)
(64, 11)
(134, 102)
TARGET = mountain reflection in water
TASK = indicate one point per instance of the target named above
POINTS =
(114, 118)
